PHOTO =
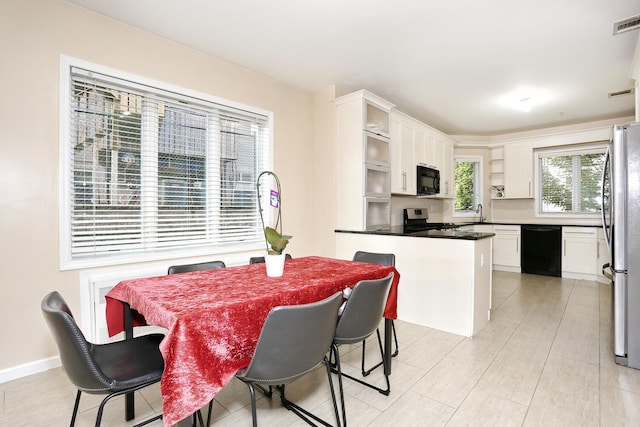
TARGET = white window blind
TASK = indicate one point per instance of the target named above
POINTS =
(154, 170)
(570, 180)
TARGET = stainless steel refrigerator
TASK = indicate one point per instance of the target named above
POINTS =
(621, 222)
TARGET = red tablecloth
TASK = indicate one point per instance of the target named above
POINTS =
(214, 318)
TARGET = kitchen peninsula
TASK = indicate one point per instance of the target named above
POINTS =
(445, 274)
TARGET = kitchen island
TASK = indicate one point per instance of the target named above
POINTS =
(445, 274)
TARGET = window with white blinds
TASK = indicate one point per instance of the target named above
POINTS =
(570, 181)
(153, 171)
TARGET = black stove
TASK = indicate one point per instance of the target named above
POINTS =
(415, 220)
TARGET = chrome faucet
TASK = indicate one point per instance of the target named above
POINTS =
(479, 209)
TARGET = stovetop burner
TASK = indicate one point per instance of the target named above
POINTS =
(415, 220)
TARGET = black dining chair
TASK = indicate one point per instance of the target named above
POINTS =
(293, 341)
(260, 259)
(382, 259)
(359, 319)
(188, 268)
(200, 266)
(111, 369)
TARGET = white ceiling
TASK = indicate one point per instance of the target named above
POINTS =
(447, 63)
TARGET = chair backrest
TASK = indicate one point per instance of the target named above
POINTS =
(75, 352)
(293, 340)
(375, 258)
(363, 311)
(260, 259)
(201, 266)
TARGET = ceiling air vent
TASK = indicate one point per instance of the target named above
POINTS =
(621, 92)
(624, 25)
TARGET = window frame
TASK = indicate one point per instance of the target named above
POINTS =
(67, 262)
(560, 151)
(479, 184)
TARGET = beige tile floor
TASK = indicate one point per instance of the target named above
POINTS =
(543, 360)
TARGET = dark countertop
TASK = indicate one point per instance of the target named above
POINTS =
(535, 224)
(397, 230)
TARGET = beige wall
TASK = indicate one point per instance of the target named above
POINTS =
(33, 35)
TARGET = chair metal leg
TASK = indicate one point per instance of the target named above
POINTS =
(254, 415)
(384, 391)
(338, 370)
(209, 413)
(366, 372)
(119, 393)
(301, 412)
(75, 409)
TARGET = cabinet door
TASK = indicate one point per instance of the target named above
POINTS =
(446, 173)
(579, 250)
(403, 168)
(506, 246)
(438, 150)
(518, 171)
(408, 162)
(398, 177)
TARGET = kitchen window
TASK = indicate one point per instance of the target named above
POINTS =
(468, 185)
(570, 180)
(151, 171)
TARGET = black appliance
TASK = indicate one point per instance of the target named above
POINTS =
(541, 251)
(428, 180)
(415, 220)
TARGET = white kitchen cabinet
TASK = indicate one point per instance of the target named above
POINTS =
(363, 175)
(603, 257)
(438, 149)
(446, 173)
(506, 248)
(518, 170)
(579, 252)
(424, 146)
(403, 164)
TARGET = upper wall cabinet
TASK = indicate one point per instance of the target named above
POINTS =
(518, 170)
(363, 158)
(403, 164)
(414, 143)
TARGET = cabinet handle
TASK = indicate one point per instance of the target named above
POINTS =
(529, 188)
(564, 248)
(517, 245)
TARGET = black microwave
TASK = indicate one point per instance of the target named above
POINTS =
(428, 180)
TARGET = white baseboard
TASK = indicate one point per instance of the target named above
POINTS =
(507, 268)
(27, 369)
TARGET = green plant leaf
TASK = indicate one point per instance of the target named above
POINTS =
(277, 241)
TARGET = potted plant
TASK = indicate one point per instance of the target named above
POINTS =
(275, 241)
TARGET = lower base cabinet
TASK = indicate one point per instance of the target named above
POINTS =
(579, 252)
(506, 248)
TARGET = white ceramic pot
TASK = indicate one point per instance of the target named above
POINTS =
(275, 265)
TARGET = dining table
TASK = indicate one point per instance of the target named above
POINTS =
(213, 319)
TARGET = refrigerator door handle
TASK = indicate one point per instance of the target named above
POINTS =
(608, 274)
(605, 229)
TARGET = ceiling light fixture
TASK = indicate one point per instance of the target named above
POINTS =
(524, 99)
(525, 104)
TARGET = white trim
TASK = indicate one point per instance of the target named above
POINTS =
(26, 369)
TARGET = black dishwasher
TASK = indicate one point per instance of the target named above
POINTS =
(541, 251)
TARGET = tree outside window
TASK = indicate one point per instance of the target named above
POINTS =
(468, 185)
(570, 182)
